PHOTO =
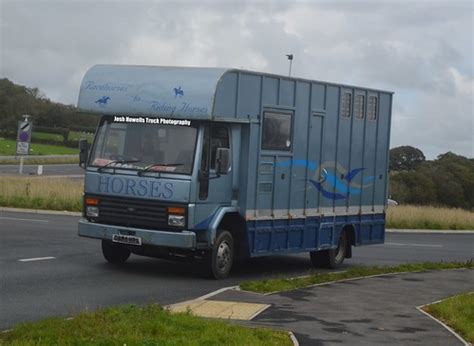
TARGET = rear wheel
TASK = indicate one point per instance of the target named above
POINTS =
(331, 258)
(220, 259)
(114, 253)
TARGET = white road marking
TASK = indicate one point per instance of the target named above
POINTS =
(36, 259)
(16, 218)
(421, 245)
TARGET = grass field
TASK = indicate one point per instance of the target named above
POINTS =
(8, 147)
(457, 312)
(425, 217)
(47, 136)
(286, 284)
(73, 136)
(41, 193)
(132, 325)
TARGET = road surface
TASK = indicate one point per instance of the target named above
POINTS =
(46, 270)
(57, 170)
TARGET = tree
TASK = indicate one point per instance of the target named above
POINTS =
(16, 100)
(413, 188)
(405, 158)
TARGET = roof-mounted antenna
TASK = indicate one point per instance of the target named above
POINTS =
(290, 57)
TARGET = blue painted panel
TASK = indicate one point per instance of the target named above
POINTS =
(299, 179)
(249, 96)
(281, 200)
(342, 165)
(244, 183)
(265, 187)
(296, 238)
(287, 93)
(369, 159)
(318, 96)
(296, 235)
(356, 154)
(382, 149)
(226, 96)
(325, 237)
(270, 91)
(329, 139)
(252, 158)
(263, 238)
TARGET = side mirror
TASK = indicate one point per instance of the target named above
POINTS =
(222, 160)
(83, 152)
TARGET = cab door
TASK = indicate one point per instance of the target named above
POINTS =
(215, 188)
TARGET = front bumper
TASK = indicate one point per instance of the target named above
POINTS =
(183, 239)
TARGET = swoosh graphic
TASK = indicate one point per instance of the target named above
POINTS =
(353, 173)
(325, 193)
(341, 186)
(344, 186)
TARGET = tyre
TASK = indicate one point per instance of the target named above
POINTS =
(114, 253)
(331, 258)
(221, 257)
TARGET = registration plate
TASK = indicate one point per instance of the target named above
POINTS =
(127, 239)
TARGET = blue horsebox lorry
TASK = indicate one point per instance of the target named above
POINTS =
(215, 164)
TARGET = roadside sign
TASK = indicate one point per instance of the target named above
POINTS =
(23, 137)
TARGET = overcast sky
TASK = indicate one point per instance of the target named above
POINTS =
(421, 50)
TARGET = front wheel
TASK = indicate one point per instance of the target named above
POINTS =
(331, 258)
(114, 253)
(221, 256)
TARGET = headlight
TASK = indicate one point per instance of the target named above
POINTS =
(92, 206)
(92, 211)
(176, 220)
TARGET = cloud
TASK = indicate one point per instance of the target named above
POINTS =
(420, 50)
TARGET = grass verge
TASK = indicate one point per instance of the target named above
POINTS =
(41, 193)
(286, 284)
(8, 147)
(425, 217)
(133, 325)
(457, 312)
(41, 160)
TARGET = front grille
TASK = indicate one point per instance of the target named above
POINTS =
(128, 212)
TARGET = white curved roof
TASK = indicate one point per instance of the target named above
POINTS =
(183, 92)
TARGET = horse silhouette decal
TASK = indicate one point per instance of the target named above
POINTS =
(102, 101)
(178, 92)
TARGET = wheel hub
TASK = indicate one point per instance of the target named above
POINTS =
(223, 256)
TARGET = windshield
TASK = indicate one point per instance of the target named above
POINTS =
(144, 146)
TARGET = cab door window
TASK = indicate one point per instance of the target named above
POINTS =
(215, 136)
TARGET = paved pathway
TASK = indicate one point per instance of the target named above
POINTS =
(372, 311)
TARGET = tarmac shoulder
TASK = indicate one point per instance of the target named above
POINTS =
(374, 310)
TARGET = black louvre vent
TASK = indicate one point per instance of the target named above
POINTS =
(138, 213)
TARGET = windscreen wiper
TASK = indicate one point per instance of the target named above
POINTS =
(116, 161)
(149, 167)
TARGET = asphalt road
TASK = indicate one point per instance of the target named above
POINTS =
(60, 169)
(71, 276)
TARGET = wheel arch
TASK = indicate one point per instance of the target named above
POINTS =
(350, 231)
(229, 218)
